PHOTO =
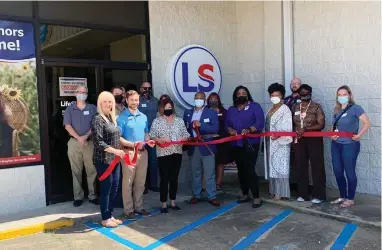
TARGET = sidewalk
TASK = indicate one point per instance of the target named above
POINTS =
(366, 212)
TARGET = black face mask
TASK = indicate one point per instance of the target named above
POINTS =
(168, 112)
(306, 97)
(118, 99)
(214, 104)
(241, 100)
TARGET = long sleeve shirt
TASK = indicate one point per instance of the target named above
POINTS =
(251, 116)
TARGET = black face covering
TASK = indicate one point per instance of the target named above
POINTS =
(214, 104)
(306, 97)
(241, 100)
(118, 99)
(168, 112)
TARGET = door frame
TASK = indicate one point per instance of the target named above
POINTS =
(64, 62)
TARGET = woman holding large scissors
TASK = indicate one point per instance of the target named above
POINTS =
(246, 116)
(309, 116)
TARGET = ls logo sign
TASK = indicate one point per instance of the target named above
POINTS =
(194, 68)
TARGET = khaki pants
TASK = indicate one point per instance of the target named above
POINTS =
(78, 157)
(133, 180)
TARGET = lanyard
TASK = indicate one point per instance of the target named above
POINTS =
(303, 114)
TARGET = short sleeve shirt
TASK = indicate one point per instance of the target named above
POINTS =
(133, 127)
(349, 122)
(314, 114)
(80, 120)
(149, 107)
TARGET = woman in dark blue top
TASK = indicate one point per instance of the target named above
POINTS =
(345, 150)
(246, 116)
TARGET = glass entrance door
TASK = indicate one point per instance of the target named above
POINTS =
(60, 82)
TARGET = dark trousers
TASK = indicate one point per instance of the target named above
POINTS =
(246, 163)
(310, 148)
(109, 187)
(152, 168)
(344, 158)
(169, 167)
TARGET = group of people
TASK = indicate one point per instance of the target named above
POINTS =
(111, 129)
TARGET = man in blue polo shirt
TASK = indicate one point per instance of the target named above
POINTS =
(77, 121)
(134, 128)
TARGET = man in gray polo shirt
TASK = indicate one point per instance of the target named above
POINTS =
(77, 121)
(148, 105)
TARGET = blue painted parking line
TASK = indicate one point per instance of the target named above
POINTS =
(344, 237)
(191, 226)
(108, 232)
(252, 237)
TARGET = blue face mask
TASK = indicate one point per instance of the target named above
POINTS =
(343, 99)
(199, 103)
(82, 97)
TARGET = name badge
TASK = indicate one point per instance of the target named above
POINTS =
(297, 113)
(344, 115)
(246, 108)
(144, 105)
(298, 101)
(220, 114)
(207, 120)
(86, 112)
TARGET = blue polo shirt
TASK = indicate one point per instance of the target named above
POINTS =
(133, 127)
(349, 122)
(80, 120)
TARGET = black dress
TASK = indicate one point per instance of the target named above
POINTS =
(223, 155)
(6, 133)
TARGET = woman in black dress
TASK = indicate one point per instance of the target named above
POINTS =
(223, 155)
(6, 131)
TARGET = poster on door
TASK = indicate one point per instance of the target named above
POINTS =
(19, 116)
(69, 85)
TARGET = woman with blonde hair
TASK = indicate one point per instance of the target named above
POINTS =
(107, 145)
(345, 150)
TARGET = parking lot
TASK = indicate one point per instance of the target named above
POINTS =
(201, 226)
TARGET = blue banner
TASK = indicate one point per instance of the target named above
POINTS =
(16, 41)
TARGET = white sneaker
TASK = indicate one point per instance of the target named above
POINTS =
(300, 199)
(316, 201)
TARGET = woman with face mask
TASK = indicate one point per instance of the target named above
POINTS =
(168, 127)
(345, 150)
(277, 149)
(308, 116)
(246, 116)
(223, 155)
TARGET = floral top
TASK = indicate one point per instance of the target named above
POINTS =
(176, 130)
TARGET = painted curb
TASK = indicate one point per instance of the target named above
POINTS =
(33, 229)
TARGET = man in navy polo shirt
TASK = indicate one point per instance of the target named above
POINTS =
(77, 121)
(134, 128)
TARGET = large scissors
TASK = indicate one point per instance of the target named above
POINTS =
(201, 138)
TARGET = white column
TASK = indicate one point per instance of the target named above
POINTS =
(288, 43)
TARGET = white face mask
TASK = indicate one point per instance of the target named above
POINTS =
(82, 97)
(275, 100)
(199, 103)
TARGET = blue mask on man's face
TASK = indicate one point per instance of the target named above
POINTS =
(199, 103)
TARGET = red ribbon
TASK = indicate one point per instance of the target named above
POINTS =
(199, 142)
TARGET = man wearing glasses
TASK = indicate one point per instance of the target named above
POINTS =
(148, 105)
(77, 121)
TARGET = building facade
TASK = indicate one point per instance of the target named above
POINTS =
(326, 44)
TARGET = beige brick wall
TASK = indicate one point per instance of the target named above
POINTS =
(338, 43)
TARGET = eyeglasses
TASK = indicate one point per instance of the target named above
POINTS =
(146, 88)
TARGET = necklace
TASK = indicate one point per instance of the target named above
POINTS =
(303, 114)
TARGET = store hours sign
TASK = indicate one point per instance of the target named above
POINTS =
(193, 68)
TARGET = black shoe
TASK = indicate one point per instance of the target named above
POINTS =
(175, 208)
(77, 203)
(146, 191)
(142, 212)
(164, 210)
(131, 216)
(243, 199)
(257, 205)
(94, 201)
(155, 189)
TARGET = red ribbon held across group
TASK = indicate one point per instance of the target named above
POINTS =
(199, 142)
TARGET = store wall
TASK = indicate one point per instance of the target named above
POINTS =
(339, 43)
(22, 189)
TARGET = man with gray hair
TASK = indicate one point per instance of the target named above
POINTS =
(148, 105)
(77, 121)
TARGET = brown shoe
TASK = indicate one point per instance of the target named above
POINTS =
(214, 203)
(142, 212)
(194, 201)
(130, 216)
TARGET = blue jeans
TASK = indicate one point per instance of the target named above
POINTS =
(152, 169)
(108, 189)
(344, 158)
(207, 164)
